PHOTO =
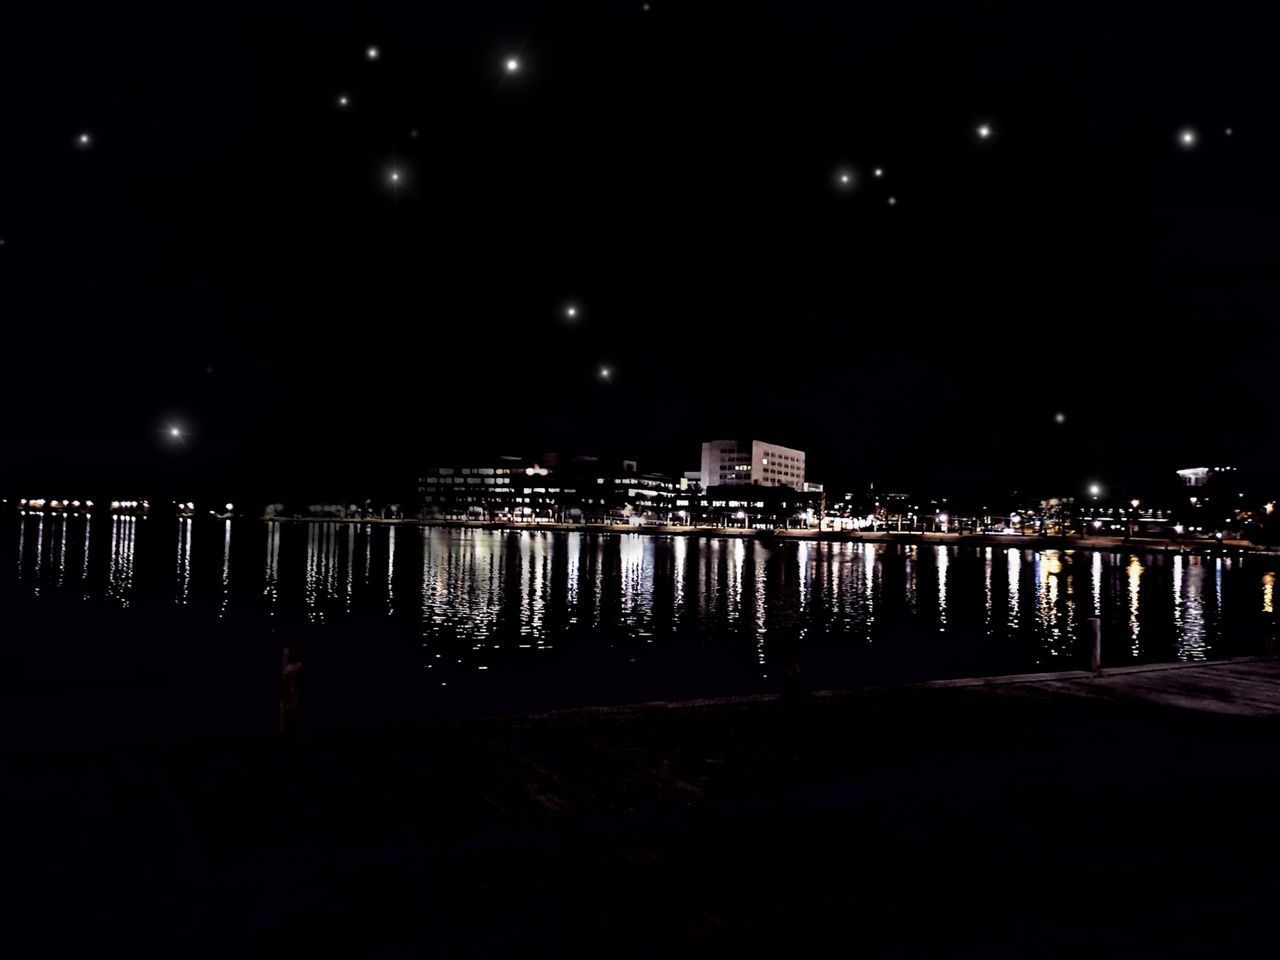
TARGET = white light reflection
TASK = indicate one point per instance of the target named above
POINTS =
(391, 569)
(38, 572)
(184, 561)
(1014, 565)
(1188, 607)
(63, 521)
(226, 569)
(909, 565)
(986, 575)
(120, 571)
(84, 556)
(1095, 570)
(270, 584)
(943, 555)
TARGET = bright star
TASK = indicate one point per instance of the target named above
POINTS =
(845, 179)
(1059, 417)
(513, 65)
(879, 172)
(373, 53)
(175, 432)
(343, 100)
(395, 177)
(1228, 131)
(1187, 138)
(84, 141)
(984, 131)
(604, 373)
(571, 311)
(893, 201)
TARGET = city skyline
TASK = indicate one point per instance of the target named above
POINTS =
(899, 245)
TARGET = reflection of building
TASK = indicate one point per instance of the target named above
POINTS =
(751, 462)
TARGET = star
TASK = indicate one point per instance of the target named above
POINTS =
(1059, 417)
(1228, 131)
(512, 65)
(84, 141)
(175, 432)
(571, 311)
(1187, 138)
(845, 179)
(343, 100)
(372, 53)
(984, 131)
(395, 177)
(878, 171)
(605, 373)
(893, 201)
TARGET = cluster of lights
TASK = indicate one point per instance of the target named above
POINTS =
(42, 504)
(127, 506)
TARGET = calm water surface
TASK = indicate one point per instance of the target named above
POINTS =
(219, 626)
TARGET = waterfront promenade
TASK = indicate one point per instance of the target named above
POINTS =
(1037, 816)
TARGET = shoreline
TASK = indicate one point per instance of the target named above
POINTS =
(1032, 542)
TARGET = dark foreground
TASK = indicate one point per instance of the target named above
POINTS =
(1012, 821)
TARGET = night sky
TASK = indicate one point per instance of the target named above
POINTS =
(326, 292)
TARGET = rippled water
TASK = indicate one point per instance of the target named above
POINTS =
(387, 620)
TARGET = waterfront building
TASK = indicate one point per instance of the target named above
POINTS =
(728, 463)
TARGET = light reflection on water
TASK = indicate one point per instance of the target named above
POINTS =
(468, 598)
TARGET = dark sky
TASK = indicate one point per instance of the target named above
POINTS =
(229, 255)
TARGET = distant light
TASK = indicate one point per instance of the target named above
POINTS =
(604, 373)
(893, 201)
(571, 311)
(1177, 528)
(984, 131)
(372, 53)
(1134, 503)
(512, 65)
(84, 141)
(1094, 490)
(175, 432)
(879, 172)
(343, 100)
(1097, 524)
(1059, 417)
(395, 177)
(230, 507)
(1188, 138)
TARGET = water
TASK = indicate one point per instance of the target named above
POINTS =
(145, 626)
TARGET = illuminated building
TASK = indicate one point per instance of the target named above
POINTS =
(728, 463)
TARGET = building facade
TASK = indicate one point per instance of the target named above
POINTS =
(732, 463)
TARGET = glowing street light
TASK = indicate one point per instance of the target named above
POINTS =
(512, 65)
(1095, 491)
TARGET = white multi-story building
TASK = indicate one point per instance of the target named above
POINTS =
(751, 462)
